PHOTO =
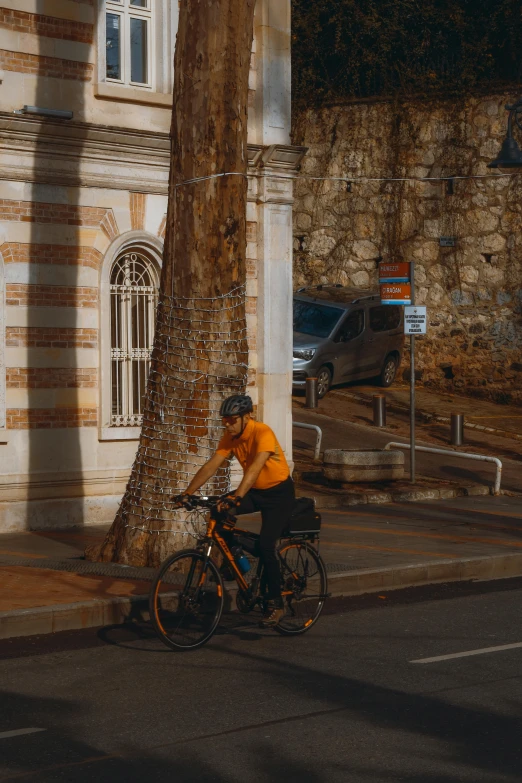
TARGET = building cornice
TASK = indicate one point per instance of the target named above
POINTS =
(85, 155)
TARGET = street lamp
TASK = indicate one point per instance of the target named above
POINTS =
(510, 155)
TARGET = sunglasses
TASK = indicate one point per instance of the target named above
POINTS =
(229, 419)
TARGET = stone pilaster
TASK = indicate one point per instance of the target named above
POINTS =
(274, 297)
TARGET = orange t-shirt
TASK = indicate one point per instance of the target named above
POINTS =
(257, 437)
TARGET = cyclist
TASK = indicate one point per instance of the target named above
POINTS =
(266, 487)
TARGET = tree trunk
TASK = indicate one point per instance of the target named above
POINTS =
(200, 353)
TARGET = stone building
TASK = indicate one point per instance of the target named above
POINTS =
(86, 92)
(465, 235)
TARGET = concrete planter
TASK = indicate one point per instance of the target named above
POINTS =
(361, 466)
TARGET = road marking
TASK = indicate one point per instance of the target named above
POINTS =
(18, 733)
(481, 651)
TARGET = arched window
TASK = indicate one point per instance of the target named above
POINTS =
(134, 292)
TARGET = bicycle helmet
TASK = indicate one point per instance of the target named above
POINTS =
(236, 405)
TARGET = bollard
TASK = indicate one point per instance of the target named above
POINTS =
(379, 410)
(311, 393)
(457, 429)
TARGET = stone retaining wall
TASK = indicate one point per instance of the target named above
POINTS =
(341, 231)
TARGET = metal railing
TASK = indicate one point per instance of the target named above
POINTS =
(464, 455)
(318, 439)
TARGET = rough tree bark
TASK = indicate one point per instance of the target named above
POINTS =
(194, 364)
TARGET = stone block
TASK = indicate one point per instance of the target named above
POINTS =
(506, 566)
(355, 499)
(435, 294)
(493, 275)
(365, 466)
(379, 497)
(469, 274)
(361, 279)
(443, 570)
(345, 584)
(370, 581)
(476, 568)
(364, 249)
(320, 243)
(26, 622)
(407, 576)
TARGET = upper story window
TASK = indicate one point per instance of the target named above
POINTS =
(129, 39)
(134, 289)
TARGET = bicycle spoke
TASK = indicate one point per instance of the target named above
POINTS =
(186, 601)
(304, 587)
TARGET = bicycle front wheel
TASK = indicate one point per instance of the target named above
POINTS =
(304, 586)
(186, 600)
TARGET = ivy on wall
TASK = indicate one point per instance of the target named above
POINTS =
(354, 49)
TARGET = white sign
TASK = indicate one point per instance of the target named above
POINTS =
(415, 319)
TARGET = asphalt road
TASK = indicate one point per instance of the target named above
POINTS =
(345, 702)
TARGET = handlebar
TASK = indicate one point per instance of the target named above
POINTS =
(206, 501)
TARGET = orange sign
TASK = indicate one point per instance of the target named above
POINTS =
(396, 293)
(398, 272)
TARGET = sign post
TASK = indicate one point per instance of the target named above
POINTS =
(412, 381)
(398, 287)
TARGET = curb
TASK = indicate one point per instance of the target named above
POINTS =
(426, 418)
(69, 617)
(325, 502)
(371, 580)
(115, 611)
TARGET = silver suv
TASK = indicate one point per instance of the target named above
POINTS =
(344, 334)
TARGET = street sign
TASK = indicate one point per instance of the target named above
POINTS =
(415, 319)
(395, 293)
(398, 272)
(447, 241)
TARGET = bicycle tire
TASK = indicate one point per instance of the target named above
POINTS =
(304, 586)
(185, 601)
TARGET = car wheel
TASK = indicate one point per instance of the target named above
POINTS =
(324, 381)
(389, 371)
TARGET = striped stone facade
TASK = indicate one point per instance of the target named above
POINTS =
(74, 195)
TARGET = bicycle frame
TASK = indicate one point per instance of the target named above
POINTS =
(212, 536)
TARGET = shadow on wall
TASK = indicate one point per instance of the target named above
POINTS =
(59, 288)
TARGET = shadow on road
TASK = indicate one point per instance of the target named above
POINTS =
(474, 739)
(57, 755)
(467, 738)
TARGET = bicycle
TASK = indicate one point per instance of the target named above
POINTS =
(187, 597)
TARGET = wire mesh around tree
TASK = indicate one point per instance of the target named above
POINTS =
(200, 356)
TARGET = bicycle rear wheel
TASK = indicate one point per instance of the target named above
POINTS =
(186, 600)
(304, 586)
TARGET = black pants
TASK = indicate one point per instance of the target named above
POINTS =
(276, 505)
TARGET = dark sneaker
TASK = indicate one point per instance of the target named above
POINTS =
(273, 614)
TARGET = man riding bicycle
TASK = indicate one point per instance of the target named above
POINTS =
(266, 487)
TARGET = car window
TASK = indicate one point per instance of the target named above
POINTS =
(351, 328)
(383, 318)
(315, 319)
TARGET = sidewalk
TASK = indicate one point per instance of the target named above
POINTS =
(48, 587)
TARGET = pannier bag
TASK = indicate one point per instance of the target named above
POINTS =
(304, 518)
